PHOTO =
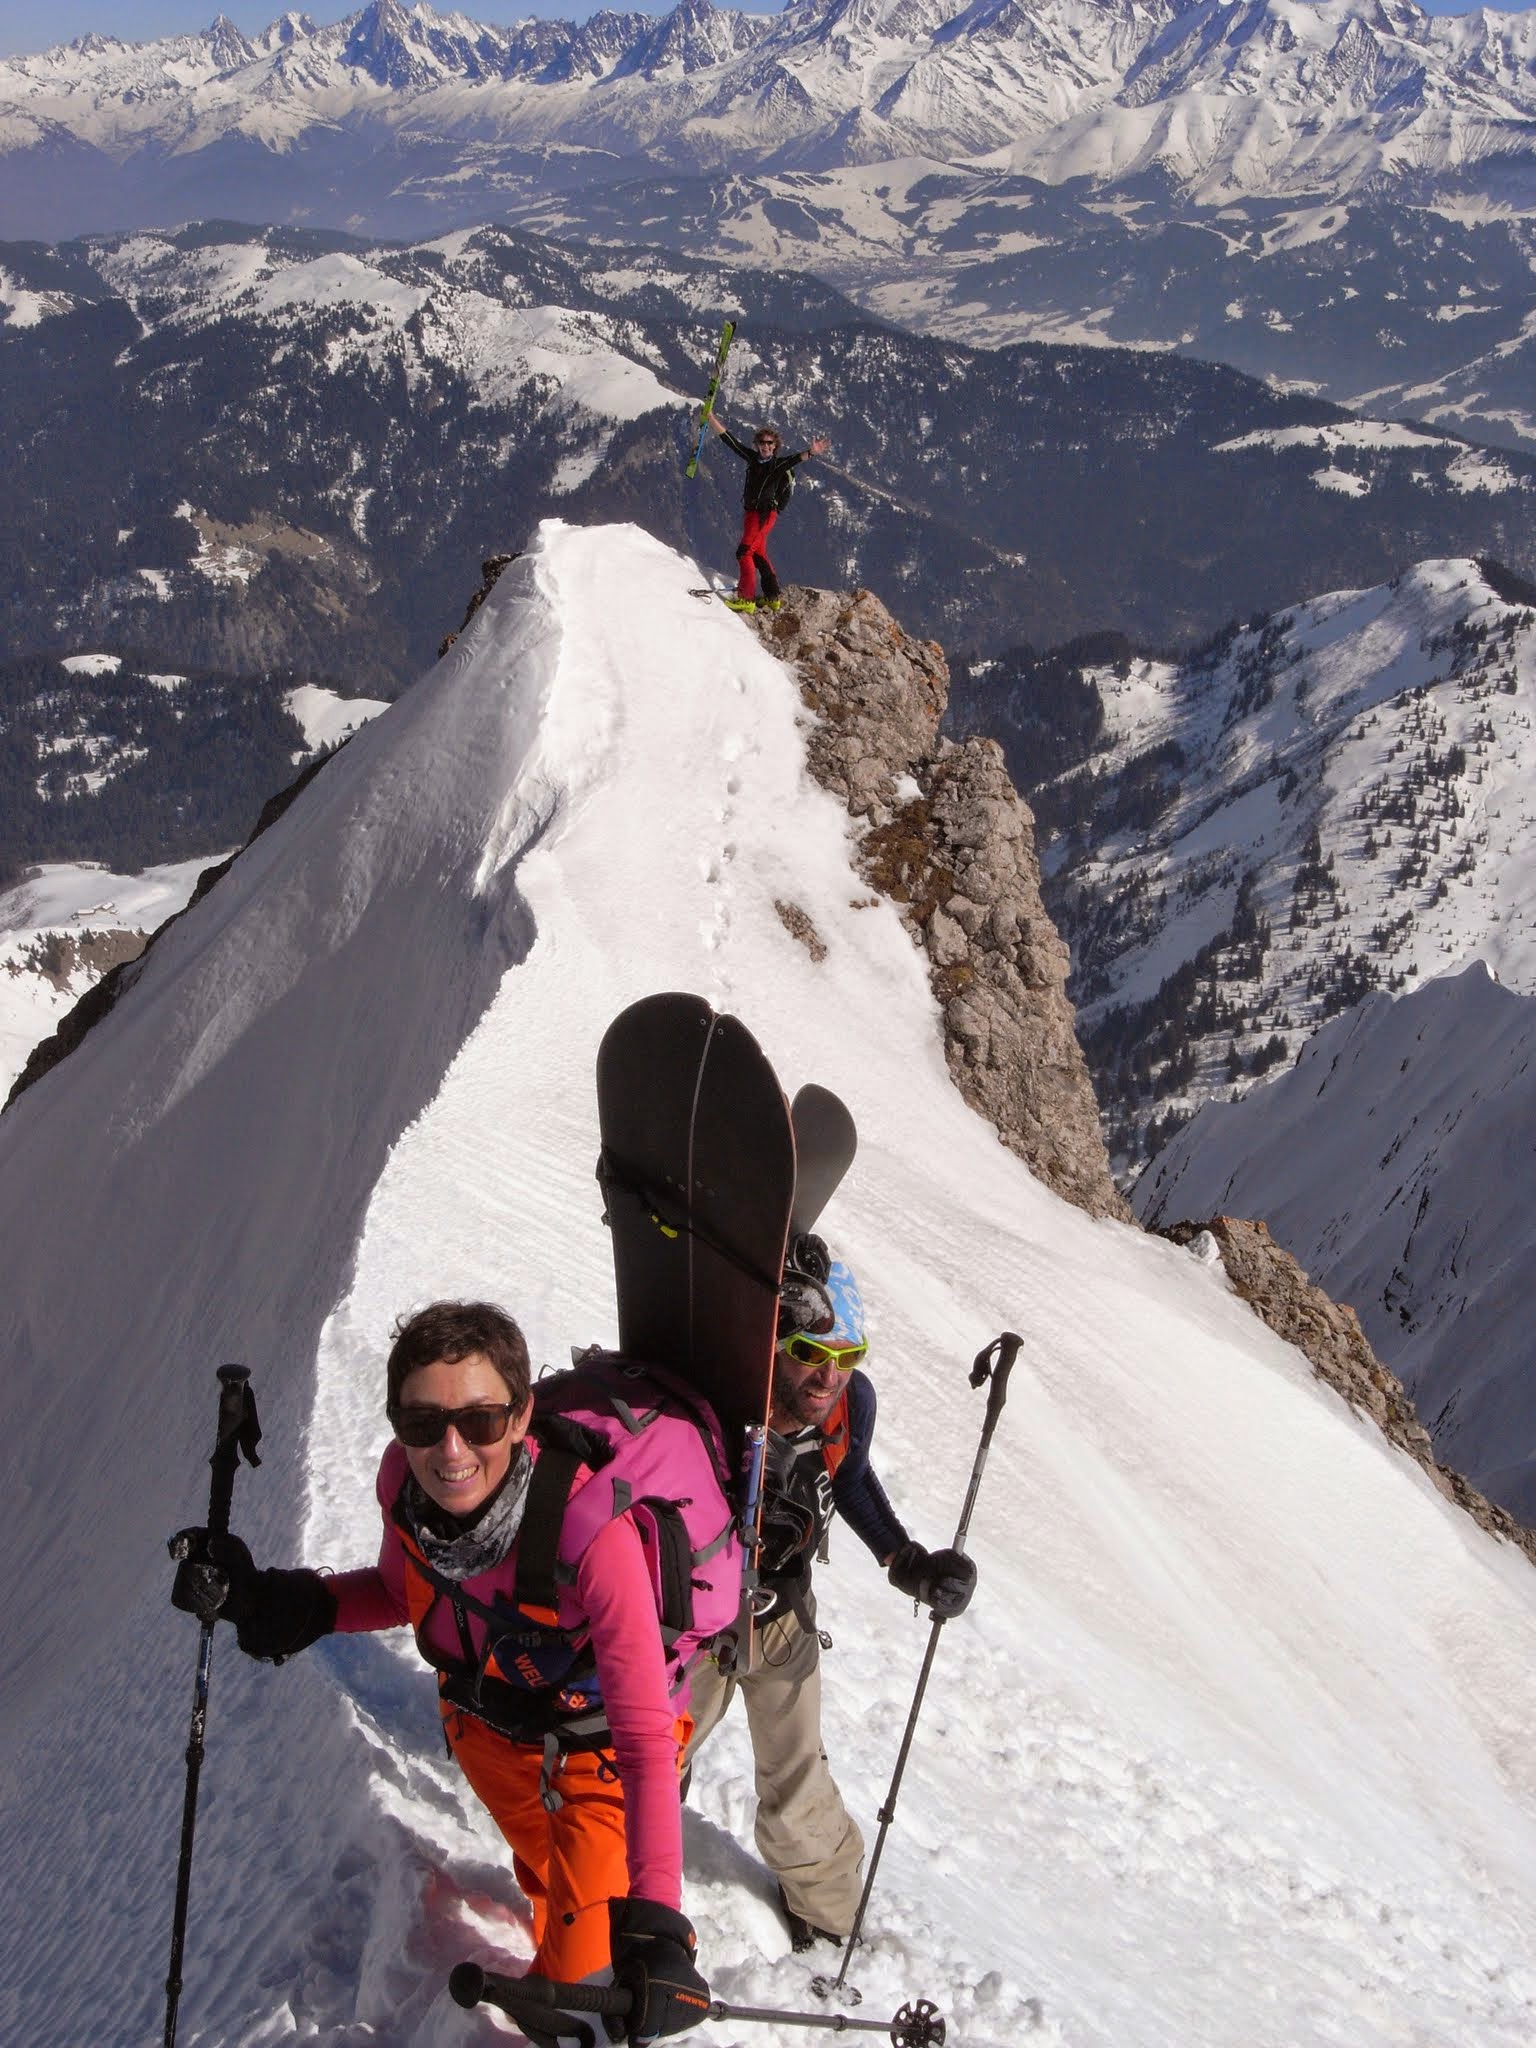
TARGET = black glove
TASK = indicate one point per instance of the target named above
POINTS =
(275, 1613)
(941, 1579)
(653, 1951)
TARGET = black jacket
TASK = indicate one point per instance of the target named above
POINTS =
(769, 481)
(801, 1495)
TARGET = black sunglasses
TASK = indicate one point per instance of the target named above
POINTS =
(418, 1428)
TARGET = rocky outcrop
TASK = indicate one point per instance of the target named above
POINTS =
(944, 835)
(490, 571)
(60, 957)
(1279, 1292)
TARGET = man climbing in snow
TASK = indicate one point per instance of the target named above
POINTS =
(770, 479)
(821, 1423)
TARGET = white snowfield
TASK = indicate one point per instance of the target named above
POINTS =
(1233, 1750)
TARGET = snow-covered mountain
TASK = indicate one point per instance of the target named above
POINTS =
(283, 449)
(1255, 183)
(1267, 95)
(1232, 1741)
(1330, 800)
(1397, 1162)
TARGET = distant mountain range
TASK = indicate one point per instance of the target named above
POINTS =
(1341, 196)
(1224, 99)
(1396, 1162)
(272, 450)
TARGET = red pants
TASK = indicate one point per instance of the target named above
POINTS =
(752, 553)
(569, 1863)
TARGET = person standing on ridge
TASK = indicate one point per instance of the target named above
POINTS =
(469, 1496)
(821, 1423)
(770, 479)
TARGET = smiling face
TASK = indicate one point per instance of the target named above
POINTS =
(802, 1394)
(460, 1476)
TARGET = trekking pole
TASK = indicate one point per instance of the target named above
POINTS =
(239, 1431)
(533, 2001)
(994, 1364)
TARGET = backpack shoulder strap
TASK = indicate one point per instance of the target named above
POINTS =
(554, 1473)
(835, 1434)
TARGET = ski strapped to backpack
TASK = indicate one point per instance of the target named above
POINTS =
(651, 1448)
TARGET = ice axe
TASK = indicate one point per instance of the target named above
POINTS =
(992, 1364)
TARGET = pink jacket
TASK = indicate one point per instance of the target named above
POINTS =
(611, 1603)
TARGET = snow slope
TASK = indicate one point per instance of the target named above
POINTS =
(1234, 1746)
(1397, 1162)
(1344, 803)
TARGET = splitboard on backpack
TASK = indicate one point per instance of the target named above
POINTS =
(705, 1171)
(698, 1177)
(825, 1143)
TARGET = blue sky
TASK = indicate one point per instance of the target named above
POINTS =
(25, 27)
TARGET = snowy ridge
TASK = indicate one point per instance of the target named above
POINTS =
(1395, 1162)
(1237, 1722)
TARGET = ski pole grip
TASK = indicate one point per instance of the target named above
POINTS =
(238, 1431)
(995, 1363)
(468, 1986)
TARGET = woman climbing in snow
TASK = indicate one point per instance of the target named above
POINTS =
(770, 479)
(588, 1799)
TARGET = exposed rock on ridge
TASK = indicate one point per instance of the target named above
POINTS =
(1278, 1291)
(945, 835)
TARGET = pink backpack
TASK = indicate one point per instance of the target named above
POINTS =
(656, 1451)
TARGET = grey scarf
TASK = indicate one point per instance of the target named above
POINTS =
(463, 1549)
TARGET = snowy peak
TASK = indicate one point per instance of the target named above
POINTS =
(412, 49)
(935, 78)
(1289, 50)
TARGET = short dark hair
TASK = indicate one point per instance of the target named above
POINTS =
(452, 1330)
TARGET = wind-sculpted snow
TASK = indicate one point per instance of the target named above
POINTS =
(1233, 1740)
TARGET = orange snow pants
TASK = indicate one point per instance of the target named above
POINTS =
(569, 1863)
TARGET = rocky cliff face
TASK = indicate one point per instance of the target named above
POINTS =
(1279, 1292)
(945, 835)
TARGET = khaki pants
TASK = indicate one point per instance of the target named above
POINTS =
(805, 1834)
